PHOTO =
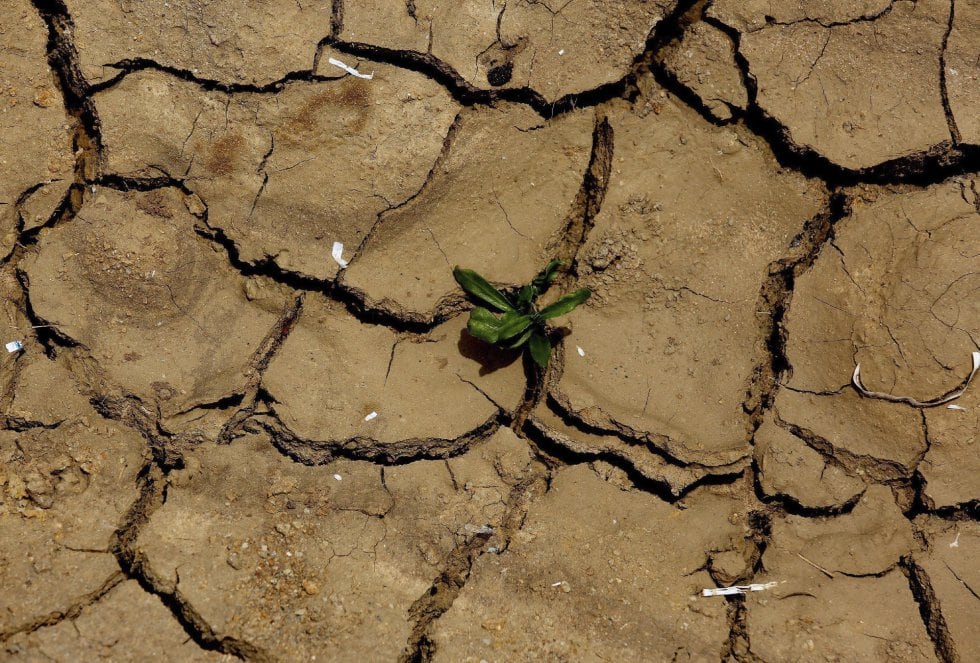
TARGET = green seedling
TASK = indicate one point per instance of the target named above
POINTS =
(517, 321)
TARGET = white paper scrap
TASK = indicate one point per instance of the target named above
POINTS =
(955, 407)
(856, 379)
(371, 416)
(349, 69)
(338, 477)
(956, 541)
(556, 584)
(581, 352)
(338, 254)
(14, 346)
(737, 589)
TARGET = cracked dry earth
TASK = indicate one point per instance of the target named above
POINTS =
(761, 195)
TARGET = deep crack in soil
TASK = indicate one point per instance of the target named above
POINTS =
(263, 458)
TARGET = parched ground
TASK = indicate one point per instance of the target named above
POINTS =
(762, 194)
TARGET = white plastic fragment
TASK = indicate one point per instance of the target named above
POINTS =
(371, 416)
(956, 541)
(14, 346)
(955, 407)
(561, 51)
(581, 352)
(556, 584)
(738, 589)
(856, 379)
(338, 254)
(349, 69)
(338, 477)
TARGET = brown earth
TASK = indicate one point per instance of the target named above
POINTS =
(218, 442)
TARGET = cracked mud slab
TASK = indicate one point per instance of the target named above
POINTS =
(67, 477)
(949, 563)
(590, 548)
(251, 42)
(151, 300)
(217, 442)
(426, 395)
(676, 270)
(553, 48)
(828, 572)
(703, 61)
(889, 293)
(35, 133)
(303, 560)
(788, 468)
(859, 83)
(283, 176)
(113, 629)
(496, 202)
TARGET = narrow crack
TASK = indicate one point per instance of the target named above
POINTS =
(134, 65)
(441, 595)
(68, 613)
(588, 202)
(738, 645)
(933, 165)
(930, 609)
(775, 299)
(954, 130)
(261, 358)
(321, 452)
(152, 483)
(875, 469)
(555, 452)
(75, 89)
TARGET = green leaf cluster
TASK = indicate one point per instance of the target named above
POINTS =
(515, 320)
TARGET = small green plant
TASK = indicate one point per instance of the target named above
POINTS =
(518, 322)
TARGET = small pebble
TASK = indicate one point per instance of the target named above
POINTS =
(310, 587)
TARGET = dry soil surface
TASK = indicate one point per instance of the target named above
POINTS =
(219, 442)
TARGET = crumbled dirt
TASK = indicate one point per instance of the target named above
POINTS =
(217, 442)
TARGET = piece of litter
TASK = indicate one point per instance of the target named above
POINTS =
(581, 352)
(371, 416)
(14, 346)
(737, 589)
(556, 584)
(816, 566)
(349, 69)
(956, 541)
(338, 254)
(955, 407)
(561, 51)
(338, 477)
(856, 379)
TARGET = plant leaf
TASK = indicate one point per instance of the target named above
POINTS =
(512, 324)
(526, 295)
(484, 325)
(478, 286)
(547, 275)
(565, 305)
(522, 339)
(540, 348)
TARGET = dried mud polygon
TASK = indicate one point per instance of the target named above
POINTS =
(224, 436)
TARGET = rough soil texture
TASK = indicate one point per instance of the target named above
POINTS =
(218, 442)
